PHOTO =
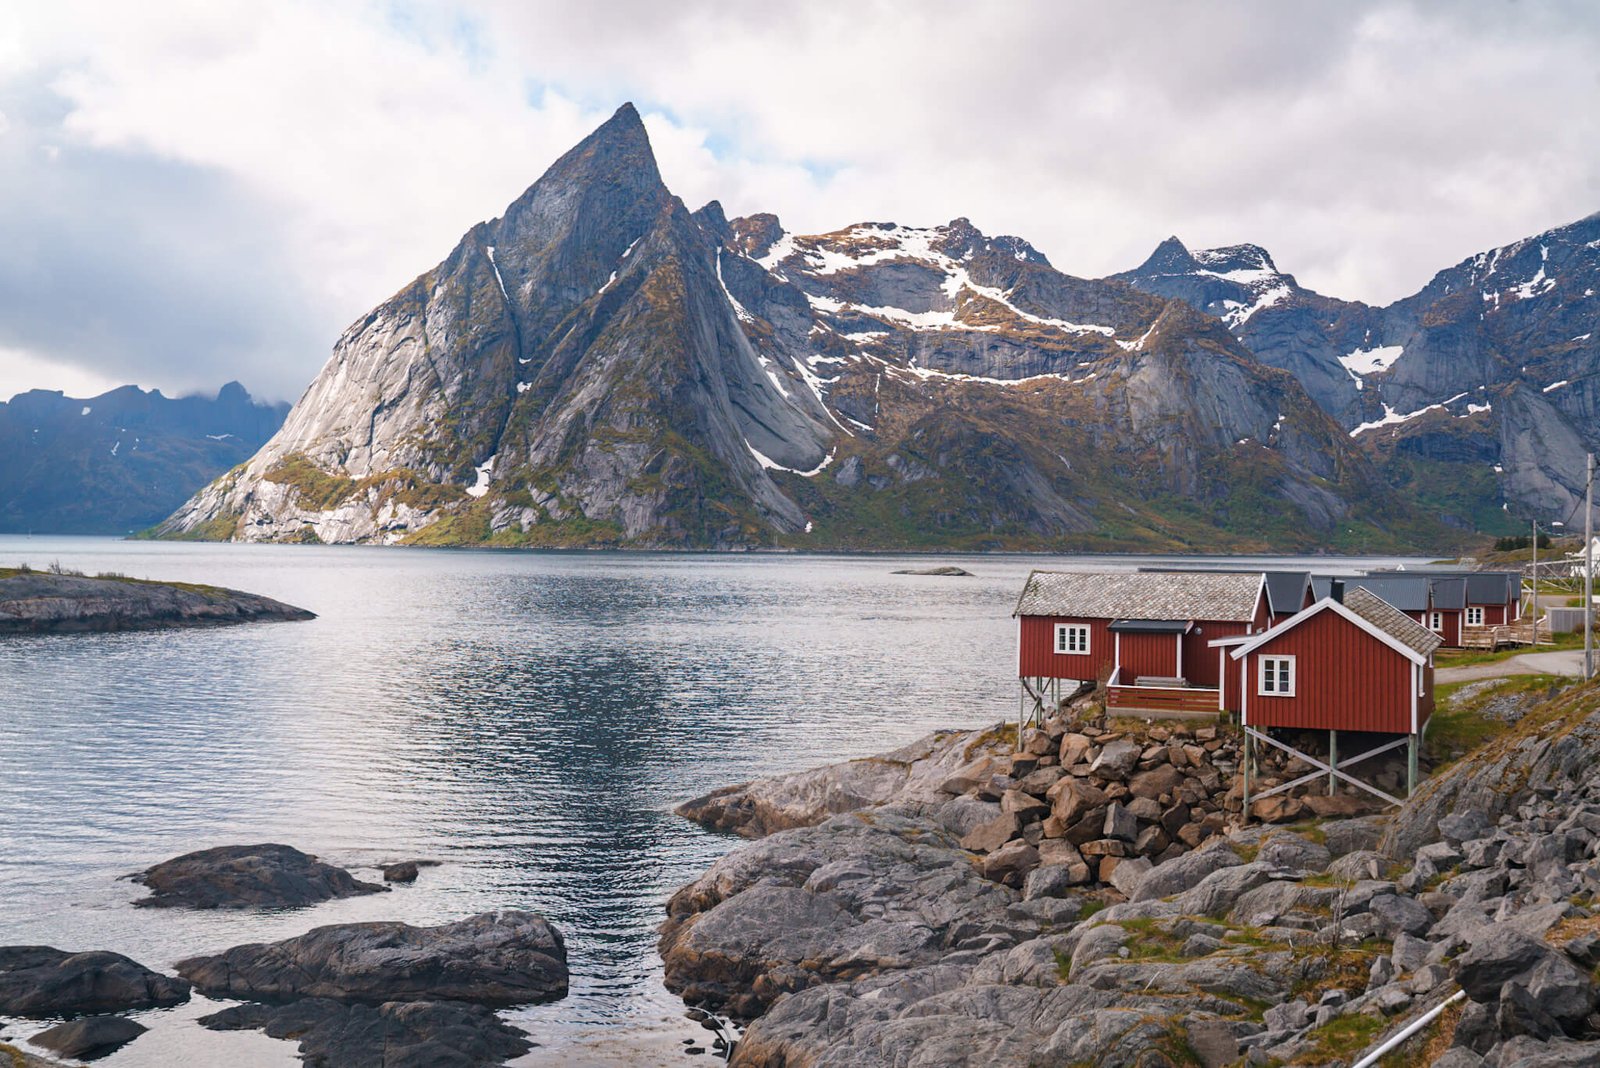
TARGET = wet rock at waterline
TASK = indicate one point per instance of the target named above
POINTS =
(941, 572)
(40, 981)
(392, 1034)
(494, 958)
(247, 876)
(89, 1037)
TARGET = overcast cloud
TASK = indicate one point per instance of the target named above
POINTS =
(197, 191)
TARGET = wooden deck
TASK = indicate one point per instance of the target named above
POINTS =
(1170, 701)
(1508, 634)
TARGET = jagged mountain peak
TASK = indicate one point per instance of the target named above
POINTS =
(1231, 258)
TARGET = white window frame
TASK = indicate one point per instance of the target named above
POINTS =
(1263, 676)
(1065, 633)
(1436, 622)
(1478, 610)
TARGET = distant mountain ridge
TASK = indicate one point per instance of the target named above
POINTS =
(121, 461)
(1487, 381)
(600, 366)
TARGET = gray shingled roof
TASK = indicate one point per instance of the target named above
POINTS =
(1222, 596)
(1393, 622)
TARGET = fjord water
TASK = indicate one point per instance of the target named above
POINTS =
(528, 720)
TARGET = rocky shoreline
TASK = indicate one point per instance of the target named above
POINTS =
(894, 932)
(35, 602)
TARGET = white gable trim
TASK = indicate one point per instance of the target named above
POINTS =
(1325, 604)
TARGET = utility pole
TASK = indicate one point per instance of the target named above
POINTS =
(1534, 608)
(1588, 573)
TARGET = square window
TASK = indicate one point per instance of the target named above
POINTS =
(1436, 621)
(1475, 617)
(1276, 676)
(1072, 638)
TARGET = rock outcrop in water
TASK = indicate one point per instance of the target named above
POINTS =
(494, 958)
(40, 981)
(390, 995)
(247, 876)
(35, 602)
(89, 1037)
(874, 938)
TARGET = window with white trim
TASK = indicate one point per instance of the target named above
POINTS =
(1072, 638)
(1436, 621)
(1475, 616)
(1276, 676)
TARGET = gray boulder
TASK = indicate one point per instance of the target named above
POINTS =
(1395, 913)
(494, 958)
(247, 876)
(1184, 872)
(89, 1037)
(1497, 955)
(40, 981)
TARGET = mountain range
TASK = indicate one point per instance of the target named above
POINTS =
(122, 461)
(602, 366)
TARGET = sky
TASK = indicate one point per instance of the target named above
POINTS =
(193, 191)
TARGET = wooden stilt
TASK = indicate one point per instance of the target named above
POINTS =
(1249, 752)
(1333, 760)
(1411, 766)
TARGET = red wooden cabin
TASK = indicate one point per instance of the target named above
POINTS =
(1357, 665)
(1145, 635)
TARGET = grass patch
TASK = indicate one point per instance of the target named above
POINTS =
(1458, 725)
(1343, 1037)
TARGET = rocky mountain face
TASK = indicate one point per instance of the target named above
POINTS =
(600, 366)
(121, 461)
(1478, 395)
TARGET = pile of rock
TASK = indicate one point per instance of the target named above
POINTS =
(1075, 805)
(881, 937)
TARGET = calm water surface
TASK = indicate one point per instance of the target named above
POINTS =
(529, 720)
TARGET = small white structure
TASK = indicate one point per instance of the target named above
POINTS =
(1577, 559)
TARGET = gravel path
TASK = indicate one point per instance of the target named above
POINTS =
(1555, 662)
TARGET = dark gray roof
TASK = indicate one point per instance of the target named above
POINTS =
(1222, 596)
(1409, 593)
(1286, 590)
(1150, 626)
(1321, 587)
(1449, 593)
(1393, 622)
(1493, 587)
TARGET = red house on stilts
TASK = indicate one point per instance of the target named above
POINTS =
(1359, 664)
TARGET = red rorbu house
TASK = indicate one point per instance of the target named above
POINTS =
(1144, 635)
(1357, 664)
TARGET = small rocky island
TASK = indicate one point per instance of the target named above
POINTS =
(55, 601)
(1093, 899)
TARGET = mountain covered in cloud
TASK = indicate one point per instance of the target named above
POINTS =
(121, 461)
(1479, 394)
(602, 366)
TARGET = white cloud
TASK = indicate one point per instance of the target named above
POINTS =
(1366, 145)
(22, 371)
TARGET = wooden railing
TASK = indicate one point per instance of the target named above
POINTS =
(1181, 700)
(1504, 634)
